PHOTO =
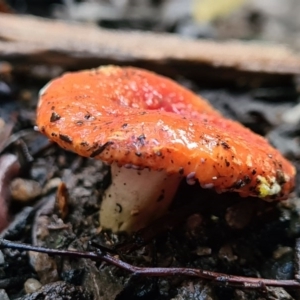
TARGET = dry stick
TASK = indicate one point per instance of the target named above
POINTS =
(229, 280)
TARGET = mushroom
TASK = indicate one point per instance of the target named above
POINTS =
(153, 132)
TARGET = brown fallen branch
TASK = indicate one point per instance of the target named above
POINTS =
(75, 46)
(220, 278)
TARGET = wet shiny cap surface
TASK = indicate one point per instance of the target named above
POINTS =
(142, 120)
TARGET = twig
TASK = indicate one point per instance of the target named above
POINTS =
(229, 280)
(22, 41)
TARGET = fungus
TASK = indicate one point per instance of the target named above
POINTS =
(153, 132)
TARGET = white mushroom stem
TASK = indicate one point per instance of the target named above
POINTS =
(135, 198)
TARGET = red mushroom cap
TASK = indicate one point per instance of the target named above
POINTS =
(132, 116)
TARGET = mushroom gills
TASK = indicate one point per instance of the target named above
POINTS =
(135, 198)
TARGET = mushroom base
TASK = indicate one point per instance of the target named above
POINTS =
(136, 198)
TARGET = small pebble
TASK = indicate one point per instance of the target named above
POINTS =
(292, 115)
(42, 227)
(239, 215)
(25, 96)
(2, 260)
(278, 253)
(3, 295)
(278, 293)
(4, 89)
(202, 251)
(45, 266)
(61, 161)
(87, 183)
(24, 189)
(5, 68)
(194, 223)
(281, 268)
(195, 290)
(226, 253)
(244, 295)
(32, 285)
